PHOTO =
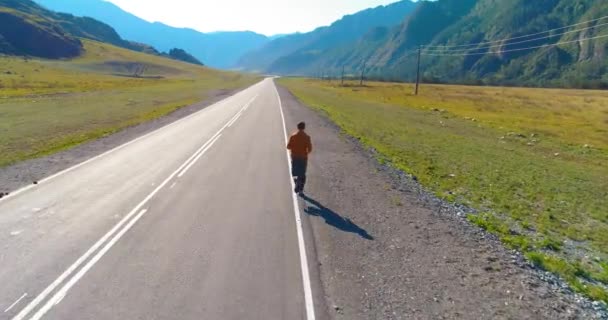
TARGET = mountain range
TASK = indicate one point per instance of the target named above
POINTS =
(497, 42)
(505, 42)
(300, 52)
(217, 49)
(505, 30)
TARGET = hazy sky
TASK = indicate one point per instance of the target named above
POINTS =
(268, 17)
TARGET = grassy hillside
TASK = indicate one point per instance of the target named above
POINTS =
(532, 161)
(26, 34)
(181, 55)
(51, 105)
(29, 29)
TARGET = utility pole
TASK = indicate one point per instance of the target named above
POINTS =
(363, 72)
(418, 71)
(342, 75)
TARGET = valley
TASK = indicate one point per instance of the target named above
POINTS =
(481, 196)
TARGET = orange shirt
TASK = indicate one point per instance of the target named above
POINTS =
(300, 145)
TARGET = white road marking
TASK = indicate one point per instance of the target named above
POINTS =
(19, 191)
(210, 143)
(198, 157)
(247, 105)
(173, 185)
(240, 113)
(232, 119)
(15, 303)
(16, 232)
(57, 297)
(310, 307)
(235, 119)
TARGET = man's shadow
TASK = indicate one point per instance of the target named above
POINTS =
(333, 219)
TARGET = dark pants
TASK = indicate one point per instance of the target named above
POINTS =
(298, 171)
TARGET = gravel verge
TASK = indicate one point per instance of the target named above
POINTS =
(388, 249)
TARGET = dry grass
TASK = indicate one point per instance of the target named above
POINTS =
(557, 113)
(50, 105)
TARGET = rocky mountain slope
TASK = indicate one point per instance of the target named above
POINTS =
(506, 42)
(302, 52)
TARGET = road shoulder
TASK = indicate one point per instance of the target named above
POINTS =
(388, 250)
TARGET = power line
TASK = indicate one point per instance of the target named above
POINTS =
(518, 42)
(518, 37)
(513, 50)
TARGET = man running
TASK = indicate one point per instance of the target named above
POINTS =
(300, 146)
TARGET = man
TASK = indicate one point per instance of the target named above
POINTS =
(300, 146)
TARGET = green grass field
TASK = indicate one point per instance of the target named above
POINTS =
(534, 162)
(51, 105)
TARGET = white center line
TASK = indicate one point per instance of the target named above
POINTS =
(15, 303)
(61, 293)
(72, 268)
(247, 106)
(310, 307)
(198, 157)
(232, 119)
(235, 119)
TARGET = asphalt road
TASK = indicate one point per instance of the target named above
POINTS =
(195, 220)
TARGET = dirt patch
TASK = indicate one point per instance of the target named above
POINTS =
(387, 249)
(132, 67)
(29, 171)
(137, 77)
